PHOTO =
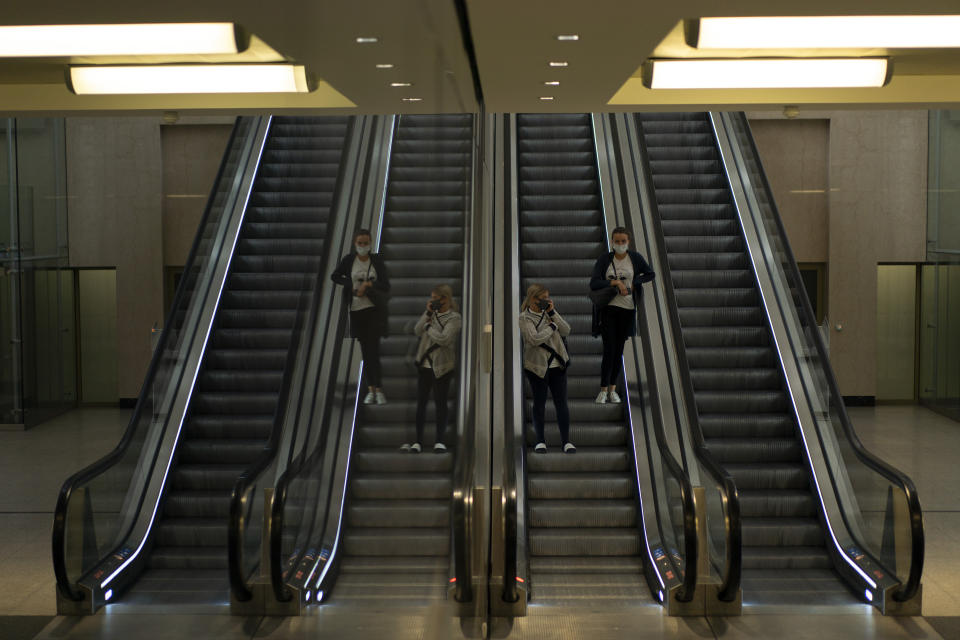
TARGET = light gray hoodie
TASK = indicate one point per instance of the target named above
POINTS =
(441, 331)
(536, 329)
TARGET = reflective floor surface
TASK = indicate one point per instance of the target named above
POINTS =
(34, 463)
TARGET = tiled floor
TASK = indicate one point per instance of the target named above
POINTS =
(34, 463)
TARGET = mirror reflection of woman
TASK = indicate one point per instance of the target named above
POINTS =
(438, 329)
(366, 274)
(625, 270)
(545, 360)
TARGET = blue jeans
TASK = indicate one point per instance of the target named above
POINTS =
(556, 382)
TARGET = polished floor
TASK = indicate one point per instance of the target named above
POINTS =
(34, 463)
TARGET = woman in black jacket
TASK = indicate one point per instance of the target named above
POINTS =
(617, 320)
(365, 274)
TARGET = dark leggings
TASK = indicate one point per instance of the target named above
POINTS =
(366, 325)
(427, 382)
(556, 382)
(615, 328)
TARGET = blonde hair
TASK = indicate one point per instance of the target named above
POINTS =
(446, 291)
(533, 291)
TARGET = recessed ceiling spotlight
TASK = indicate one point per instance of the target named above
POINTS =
(401, 84)
(385, 66)
(558, 64)
(367, 40)
(546, 98)
(568, 38)
(552, 83)
(412, 99)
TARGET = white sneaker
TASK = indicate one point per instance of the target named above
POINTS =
(601, 398)
(614, 398)
(439, 448)
(540, 448)
(415, 447)
(569, 448)
(369, 398)
(405, 448)
(381, 399)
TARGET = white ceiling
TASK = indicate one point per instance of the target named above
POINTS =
(514, 41)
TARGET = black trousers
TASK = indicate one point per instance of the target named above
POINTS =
(615, 327)
(556, 382)
(428, 383)
(365, 325)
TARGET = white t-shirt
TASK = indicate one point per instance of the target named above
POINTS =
(360, 273)
(622, 270)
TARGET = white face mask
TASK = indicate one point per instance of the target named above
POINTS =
(620, 249)
(362, 251)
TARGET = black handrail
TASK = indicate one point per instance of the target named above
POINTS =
(100, 466)
(690, 538)
(238, 497)
(461, 519)
(732, 573)
(892, 474)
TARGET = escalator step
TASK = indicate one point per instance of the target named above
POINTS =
(583, 513)
(582, 541)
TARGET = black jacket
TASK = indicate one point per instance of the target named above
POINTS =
(598, 280)
(341, 275)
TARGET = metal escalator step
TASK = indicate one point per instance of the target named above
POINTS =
(418, 251)
(287, 231)
(658, 152)
(705, 244)
(245, 403)
(776, 502)
(556, 147)
(413, 541)
(747, 425)
(579, 486)
(593, 434)
(760, 475)
(253, 300)
(668, 167)
(689, 180)
(399, 513)
(246, 359)
(197, 504)
(188, 558)
(748, 401)
(785, 558)
(440, 269)
(726, 316)
(582, 173)
(582, 513)
(229, 426)
(782, 532)
(265, 282)
(436, 158)
(205, 477)
(402, 487)
(394, 564)
(279, 246)
(706, 227)
(534, 220)
(715, 260)
(567, 250)
(580, 410)
(731, 357)
(599, 459)
(256, 319)
(277, 263)
(421, 287)
(397, 235)
(240, 380)
(432, 187)
(599, 565)
(808, 586)
(739, 378)
(716, 278)
(220, 451)
(756, 449)
(425, 203)
(392, 460)
(192, 532)
(582, 541)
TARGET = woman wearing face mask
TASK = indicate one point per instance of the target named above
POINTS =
(545, 361)
(615, 322)
(365, 274)
(436, 358)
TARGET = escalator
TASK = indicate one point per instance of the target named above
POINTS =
(397, 519)
(745, 412)
(582, 509)
(235, 402)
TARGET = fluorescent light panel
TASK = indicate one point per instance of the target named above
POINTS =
(830, 32)
(66, 40)
(795, 73)
(213, 78)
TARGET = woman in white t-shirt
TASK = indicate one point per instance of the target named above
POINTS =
(616, 321)
(365, 274)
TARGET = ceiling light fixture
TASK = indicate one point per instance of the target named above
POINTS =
(201, 78)
(558, 64)
(568, 38)
(412, 99)
(367, 40)
(122, 39)
(384, 66)
(401, 84)
(794, 73)
(546, 98)
(825, 32)
(552, 83)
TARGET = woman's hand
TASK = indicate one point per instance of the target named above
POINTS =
(429, 308)
(549, 308)
(621, 287)
(362, 289)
